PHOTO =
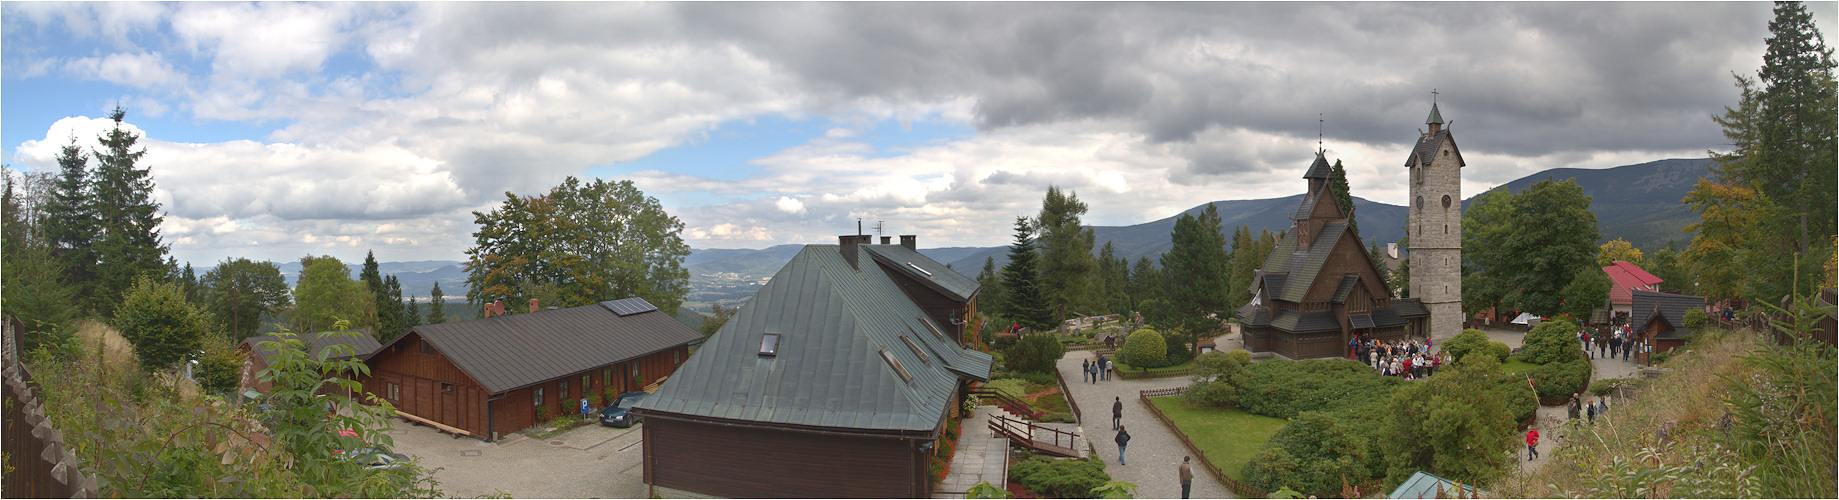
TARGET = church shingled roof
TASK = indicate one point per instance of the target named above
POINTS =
(1319, 169)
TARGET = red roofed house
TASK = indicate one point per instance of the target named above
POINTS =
(1625, 279)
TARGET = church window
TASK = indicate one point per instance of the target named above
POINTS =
(1420, 202)
(1446, 229)
(1445, 153)
(1446, 201)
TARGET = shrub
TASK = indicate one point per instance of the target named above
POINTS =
(1463, 343)
(163, 327)
(1511, 390)
(1552, 341)
(1033, 378)
(1313, 453)
(1178, 352)
(1500, 350)
(1059, 478)
(1035, 353)
(1219, 378)
(1602, 387)
(544, 414)
(1144, 349)
(1015, 388)
(219, 370)
(1282, 389)
(1696, 319)
(1561, 378)
(1449, 425)
(1243, 356)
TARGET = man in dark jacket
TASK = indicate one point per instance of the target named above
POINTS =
(1123, 439)
(1187, 477)
(1117, 413)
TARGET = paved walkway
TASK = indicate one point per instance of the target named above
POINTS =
(981, 457)
(1154, 452)
(1550, 418)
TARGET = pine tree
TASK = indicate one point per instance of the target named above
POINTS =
(1026, 304)
(1067, 266)
(70, 221)
(1197, 291)
(991, 286)
(128, 218)
(1337, 182)
(390, 314)
(411, 313)
(437, 306)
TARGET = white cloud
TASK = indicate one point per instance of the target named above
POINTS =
(262, 40)
(144, 70)
(790, 205)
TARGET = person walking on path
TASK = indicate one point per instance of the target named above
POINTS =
(1187, 477)
(1104, 367)
(1575, 408)
(1085, 371)
(1532, 443)
(1590, 411)
(1092, 369)
(1123, 439)
(1117, 413)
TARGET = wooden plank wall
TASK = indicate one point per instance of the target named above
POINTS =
(763, 463)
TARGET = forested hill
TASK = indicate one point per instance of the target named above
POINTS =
(1639, 203)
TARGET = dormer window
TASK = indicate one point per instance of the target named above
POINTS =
(769, 344)
(917, 268)
(920, 353)
(888, 356)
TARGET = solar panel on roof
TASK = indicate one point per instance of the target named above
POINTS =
(629, 306)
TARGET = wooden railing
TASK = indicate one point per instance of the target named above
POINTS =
(1003, 400)
(39, 464)
(1027, 432)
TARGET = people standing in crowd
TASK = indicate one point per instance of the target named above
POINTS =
(1602, 347)
(1093, 369)
(1625, 348)
(1123, 439)
(1085, 370)
(1104, 367)
(1575, 409)
(1590, 411)
(1187, 477)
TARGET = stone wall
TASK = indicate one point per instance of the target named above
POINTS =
(1436, 239)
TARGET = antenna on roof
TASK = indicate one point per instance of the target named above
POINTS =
(1318, 133)
(878, 225)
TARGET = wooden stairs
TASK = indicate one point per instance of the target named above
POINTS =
(1035, 437)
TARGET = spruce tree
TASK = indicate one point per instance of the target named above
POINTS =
(1337, 182)
(1027, 306)
(1067, 266)
(992, 287)
(437, 310)
(70, 221)
(1197, 291)
(128, 218)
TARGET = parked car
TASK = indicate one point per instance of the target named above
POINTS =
(375, 459)
(616, 414)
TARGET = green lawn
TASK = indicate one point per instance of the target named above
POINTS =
(1131, 369)
(1228, 437)
(1515, 365)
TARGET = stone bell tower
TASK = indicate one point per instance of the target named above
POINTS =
(1435, 226)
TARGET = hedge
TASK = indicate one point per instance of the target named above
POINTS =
(1144, 349)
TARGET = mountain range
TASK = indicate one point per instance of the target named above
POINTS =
(1639, 203)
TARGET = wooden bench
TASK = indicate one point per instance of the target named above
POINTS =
(455, 431)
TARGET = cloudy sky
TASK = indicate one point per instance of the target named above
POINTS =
(275, 130)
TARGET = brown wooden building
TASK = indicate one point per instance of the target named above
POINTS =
(1319, 288)
(487, 377)
(834, 380)
(256, 358)
(1660, 319)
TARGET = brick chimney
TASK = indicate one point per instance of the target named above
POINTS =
(887, 240)
(533, 307)
(850, 245)
(911, 241)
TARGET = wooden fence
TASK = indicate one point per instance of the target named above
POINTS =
(40, 464)
(1238, 488)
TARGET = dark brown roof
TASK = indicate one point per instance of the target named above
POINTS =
(1301, 266)
(1429, 144)
(1669, 308)
(511, 352)
(362, 344)
(1319, 169)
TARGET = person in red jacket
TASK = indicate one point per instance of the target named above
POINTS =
(1532, 444)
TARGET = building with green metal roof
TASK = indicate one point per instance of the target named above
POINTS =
(835, 379)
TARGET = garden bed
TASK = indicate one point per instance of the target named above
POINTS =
(1127, 372)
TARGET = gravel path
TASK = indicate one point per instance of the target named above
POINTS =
(1154, 452)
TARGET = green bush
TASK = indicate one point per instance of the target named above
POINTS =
(1035, 353)
(1449, 425)
(1512, 391)
(1243, 356)
(1552, 341)
(1561, 378)
(1602, 387)
(1218, 379)
(1282, 388)
(162, 326)
(219, 370)
(1178, 352)
(1014, 387)
(1312, 453)
(1696, 319)
(1144, 349)
(1059, 478)
(1499, 350)
(1033, 378)
(1463, 343)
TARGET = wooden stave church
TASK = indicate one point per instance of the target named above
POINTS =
(1344, 295)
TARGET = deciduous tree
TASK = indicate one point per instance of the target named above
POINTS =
(586, 242)
(1450, 425)
(163, 327)
(326, 294)
(241, 291)
(1620, 250)
(1588, 292)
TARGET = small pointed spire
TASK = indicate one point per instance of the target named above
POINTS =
(1436, 117)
